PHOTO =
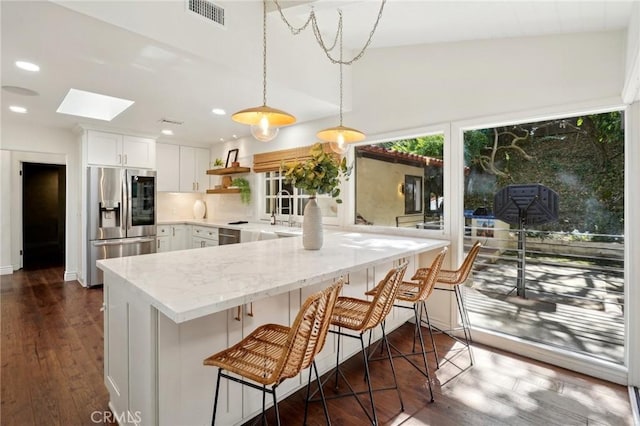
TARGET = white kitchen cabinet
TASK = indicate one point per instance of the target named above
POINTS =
(168, 167)
(163, 244)
(171, 237)
(204, 236)
(113, 149)
(194, 163)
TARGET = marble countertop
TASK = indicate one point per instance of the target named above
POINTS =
(189, 284)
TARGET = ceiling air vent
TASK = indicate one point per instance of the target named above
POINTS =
(207, 10)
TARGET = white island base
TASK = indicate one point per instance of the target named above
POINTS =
(166, 312)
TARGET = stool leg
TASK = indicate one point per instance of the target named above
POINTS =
(264, 397)
(433, 342)
(393, 368)
(465, 320)
(215, 400)
(424, 352)
(338, 357)
(275, 405)
(368, 379)
(314, 367)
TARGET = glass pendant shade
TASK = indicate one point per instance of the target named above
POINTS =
(264, 121)
(339, 146)
(339, 137)
(263, 131)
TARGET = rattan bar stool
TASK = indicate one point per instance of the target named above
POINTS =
(452, 279)
(417, 294)
(360, 316)
(273, 353)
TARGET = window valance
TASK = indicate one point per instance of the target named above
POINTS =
(271, 161)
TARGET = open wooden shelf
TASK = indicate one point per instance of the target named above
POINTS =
(228, 171)
(224, 191)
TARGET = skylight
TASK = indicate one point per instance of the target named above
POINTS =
(92, 105)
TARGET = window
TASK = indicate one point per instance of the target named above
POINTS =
(282, 198)
(558, 282)
(412, 194)
(400, 183)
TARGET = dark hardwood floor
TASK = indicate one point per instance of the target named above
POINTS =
(51, 358)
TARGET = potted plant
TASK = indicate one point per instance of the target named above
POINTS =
(217, 163)
(320, 174)
(245, 190)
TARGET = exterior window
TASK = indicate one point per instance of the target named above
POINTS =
(400, 183)
(549, 277)
(282, 198)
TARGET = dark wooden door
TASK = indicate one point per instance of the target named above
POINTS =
(43, 215)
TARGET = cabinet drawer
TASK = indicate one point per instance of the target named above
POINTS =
(162, 230)
(205, 232)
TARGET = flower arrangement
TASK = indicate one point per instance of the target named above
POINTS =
(320, 174)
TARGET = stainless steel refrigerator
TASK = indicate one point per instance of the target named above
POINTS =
(121, 215)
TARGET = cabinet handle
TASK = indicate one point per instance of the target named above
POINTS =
(202, 244)
(197, 186)
(249, 309)
(125, 159)
(119, 159)
(158, 244)
(174, 231)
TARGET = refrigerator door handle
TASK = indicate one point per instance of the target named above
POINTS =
(120, 242)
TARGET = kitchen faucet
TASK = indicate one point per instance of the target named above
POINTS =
(279, 210)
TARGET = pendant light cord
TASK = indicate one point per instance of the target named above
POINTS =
(312, 19)
(264, 52)
(340, 64)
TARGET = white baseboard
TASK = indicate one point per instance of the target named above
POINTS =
(6, 270)
(70, 276)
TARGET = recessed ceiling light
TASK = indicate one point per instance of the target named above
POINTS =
(92, 105)
(167, 132)
(235, 136)
(18, 109)
(221, 139)
(218, 111)
(27, 66)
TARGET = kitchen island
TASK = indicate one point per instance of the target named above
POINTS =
(166, 312)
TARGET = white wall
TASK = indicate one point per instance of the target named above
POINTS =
(631, 90)
(632, 242)
(407, 87)
(32, 143)
(5, 213)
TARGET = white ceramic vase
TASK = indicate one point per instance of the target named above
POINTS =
(312, 226)
(199, 209)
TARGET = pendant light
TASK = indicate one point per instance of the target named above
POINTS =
(339, 136)
(264, 120)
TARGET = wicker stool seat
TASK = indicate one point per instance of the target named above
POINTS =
(273, 353)
(417, 294)
(360, 316)
(452, 279)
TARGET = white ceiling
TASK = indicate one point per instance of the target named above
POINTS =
(170, 75)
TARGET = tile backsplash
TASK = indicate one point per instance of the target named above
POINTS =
(223, 207)
(177, 205)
